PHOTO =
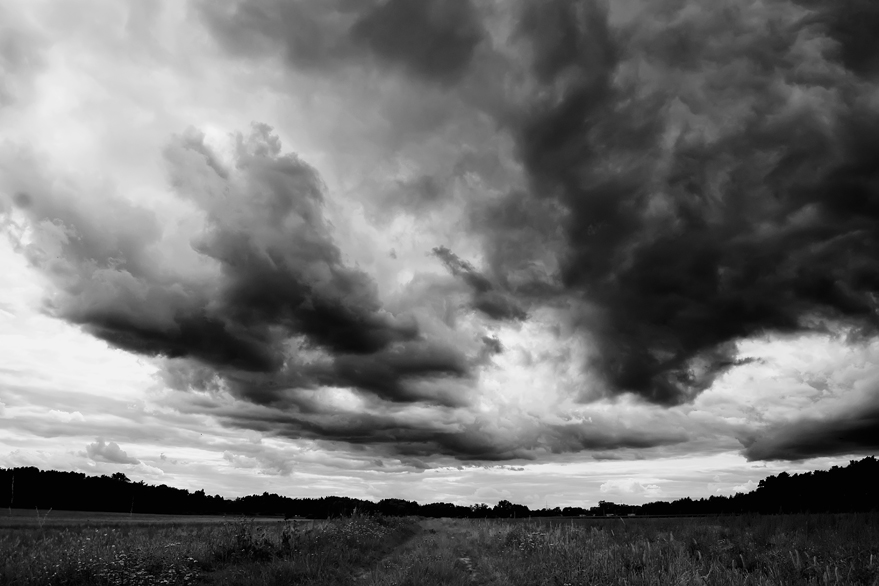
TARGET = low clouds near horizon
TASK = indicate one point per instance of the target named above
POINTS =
(511, 230)
(109, 452)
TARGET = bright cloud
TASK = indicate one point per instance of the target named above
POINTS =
(109, 452)
(631, 486)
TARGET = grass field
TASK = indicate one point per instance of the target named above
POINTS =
(792, 549)
(20, 518)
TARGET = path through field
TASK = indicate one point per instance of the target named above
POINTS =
(442, 552)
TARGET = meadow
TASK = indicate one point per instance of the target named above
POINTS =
(372, 550)
(22, 518)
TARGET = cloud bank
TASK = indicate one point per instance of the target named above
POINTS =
(641, 193)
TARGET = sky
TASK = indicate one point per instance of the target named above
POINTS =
(552, 252)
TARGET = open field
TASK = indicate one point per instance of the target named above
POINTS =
(240, 551)
(767, 550)
(20, 518)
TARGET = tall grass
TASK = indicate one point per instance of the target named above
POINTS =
(239, 552)
(790, 550)
(755, 550)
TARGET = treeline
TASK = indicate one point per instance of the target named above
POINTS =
(849, 489)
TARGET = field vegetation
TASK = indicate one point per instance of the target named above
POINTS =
(383, 551)
(242, 551)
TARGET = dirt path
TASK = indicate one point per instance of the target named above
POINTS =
(365, 576)
(439, 554)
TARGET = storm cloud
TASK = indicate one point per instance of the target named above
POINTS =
(620, 203)
(707, 187)
(852, 25)
(854, 433)
(716, 186)
(272, 304)
(412, 437)
(433, 40)
(488, 298)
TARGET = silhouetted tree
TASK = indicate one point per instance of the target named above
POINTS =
(840, 489)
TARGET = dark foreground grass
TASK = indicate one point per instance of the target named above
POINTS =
(767, 550)
(239, 552)
(782, 550)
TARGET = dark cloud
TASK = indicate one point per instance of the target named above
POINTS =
(481, 440)
(488, 298)
(432, 39)
(713, 187)
(693, 178)
(281, 272)
(390, 373)
(609, 457)
(523, 237)
(277, 289)
(102, 451)
(492, 345)
(578, 437)
(853, 26)
(851, 433)
(697, 175)
(310, 35)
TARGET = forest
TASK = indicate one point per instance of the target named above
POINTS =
(852, 488)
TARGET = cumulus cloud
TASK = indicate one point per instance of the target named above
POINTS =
(705, 191)
(630, 486)
(647, 192)
(713, 190)
(272, 294)
(101, 451)
(745, 487)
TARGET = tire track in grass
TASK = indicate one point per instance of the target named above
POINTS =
(364, 574)
(425, 560)
(442, 554)
(482, 567)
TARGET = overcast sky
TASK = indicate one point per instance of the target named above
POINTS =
(553, 252)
